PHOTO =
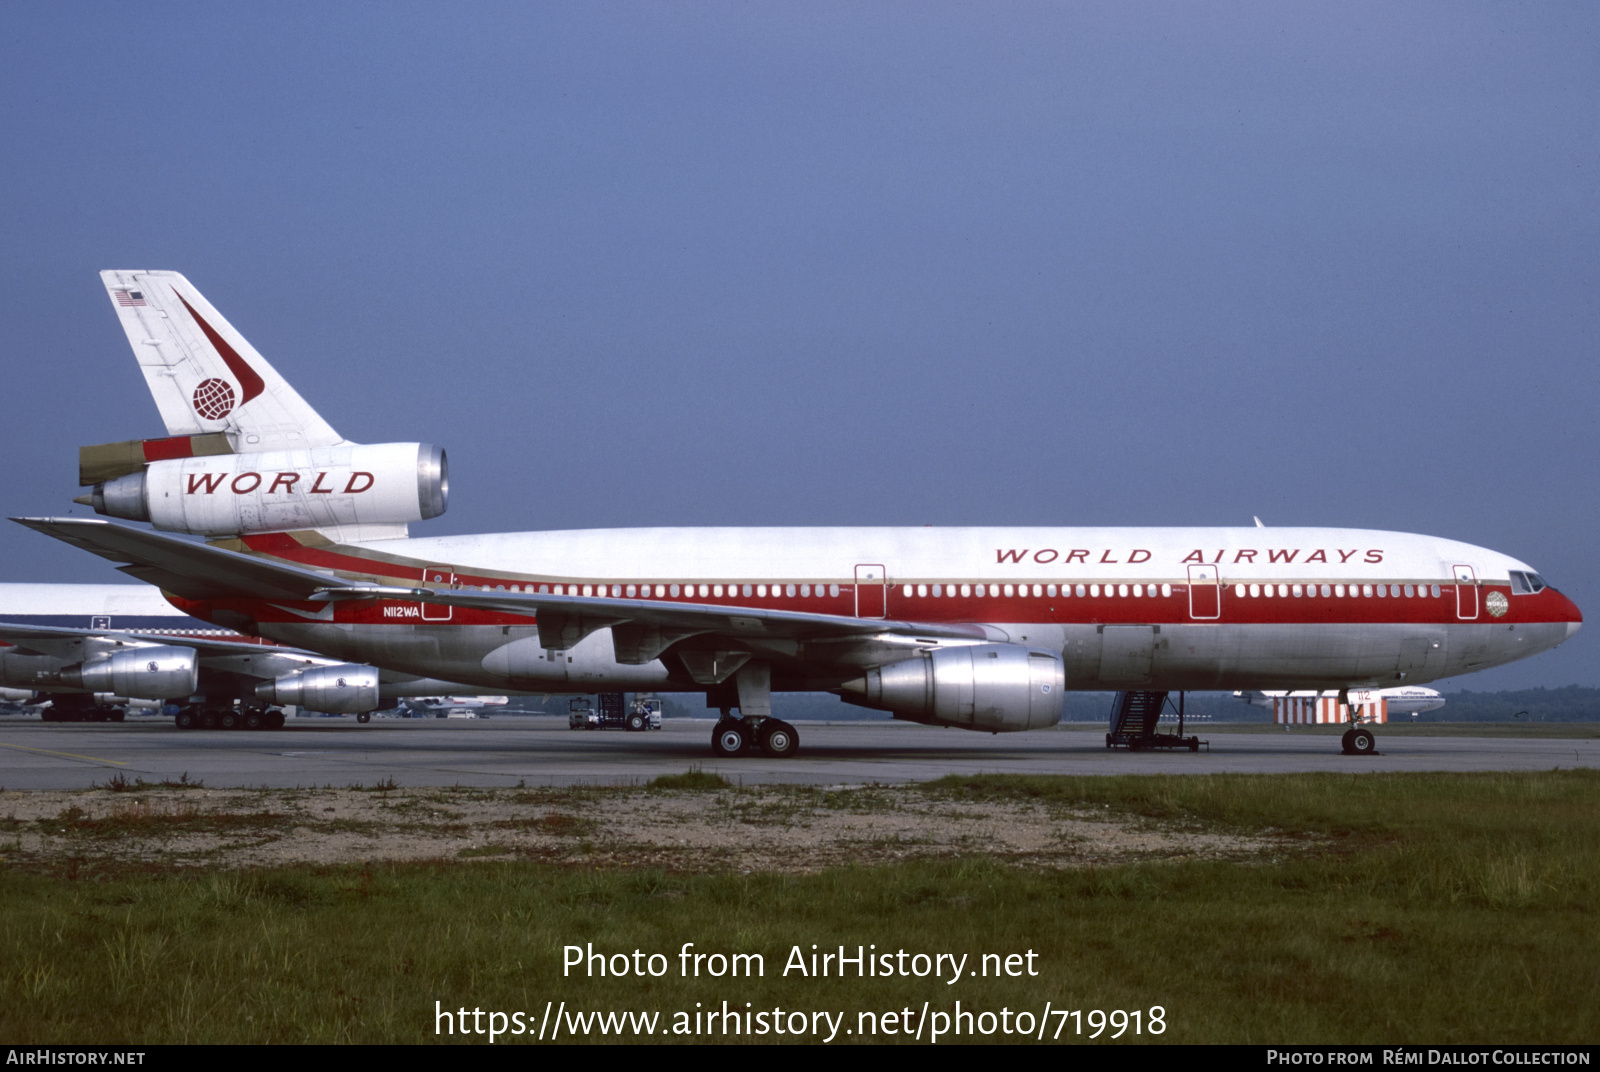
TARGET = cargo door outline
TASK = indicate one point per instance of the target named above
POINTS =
(1205, 593)
(872, 591)
(441, 578)
(1126, 652)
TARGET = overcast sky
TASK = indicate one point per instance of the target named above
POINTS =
(855, 263)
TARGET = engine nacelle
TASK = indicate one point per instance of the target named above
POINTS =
(996, 688)
(281, 490)
(346, 689)
(154, 673)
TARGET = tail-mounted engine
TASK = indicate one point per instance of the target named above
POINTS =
(346, 689)
(995, 688)
(276, 491)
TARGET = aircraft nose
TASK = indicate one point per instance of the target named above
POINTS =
(1568, 612)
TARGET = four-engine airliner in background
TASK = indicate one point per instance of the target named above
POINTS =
(977, 628)
(89, 649)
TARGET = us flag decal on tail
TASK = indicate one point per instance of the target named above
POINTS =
(128, 298)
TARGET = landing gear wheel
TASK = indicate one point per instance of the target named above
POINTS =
(779, 739)
(364, 716)
(253, 720)
(729, 738)
(636, 722)
(185, 719)
(273, 720)
(1362, 743)
(229, 720)
(208, 720)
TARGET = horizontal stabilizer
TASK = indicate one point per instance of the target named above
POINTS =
(191, 570)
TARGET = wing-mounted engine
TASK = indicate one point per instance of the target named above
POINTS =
(377, 488)
(145, 673)
(995, 688)
(343, 689)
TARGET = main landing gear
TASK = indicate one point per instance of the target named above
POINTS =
(198, 717)
(770, 736)
(755, 730)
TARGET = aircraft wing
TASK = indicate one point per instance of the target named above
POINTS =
(191, 570)
(642, 629)
(47, 639)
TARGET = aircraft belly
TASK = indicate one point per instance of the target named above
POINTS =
(1229, 657)
(1220, 656)
(1479, 645)
(591, 663)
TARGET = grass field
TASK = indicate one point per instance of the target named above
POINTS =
(1404, 908)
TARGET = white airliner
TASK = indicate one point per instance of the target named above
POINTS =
(979, 628)
(90, 649)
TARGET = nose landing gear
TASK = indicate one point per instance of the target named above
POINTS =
(1359, 742)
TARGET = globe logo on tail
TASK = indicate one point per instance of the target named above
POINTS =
(213, 399)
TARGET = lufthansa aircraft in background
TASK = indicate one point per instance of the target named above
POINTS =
(977, 628)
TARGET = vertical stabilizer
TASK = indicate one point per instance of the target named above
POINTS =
(205, 377)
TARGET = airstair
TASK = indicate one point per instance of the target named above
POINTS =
(1134, 715)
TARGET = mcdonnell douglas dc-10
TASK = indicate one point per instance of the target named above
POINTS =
(977, 628)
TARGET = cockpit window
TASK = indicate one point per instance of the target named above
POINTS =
(1525, 583)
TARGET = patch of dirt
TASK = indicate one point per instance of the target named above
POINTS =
(781, 829)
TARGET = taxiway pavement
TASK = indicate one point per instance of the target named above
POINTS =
(537, 751)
